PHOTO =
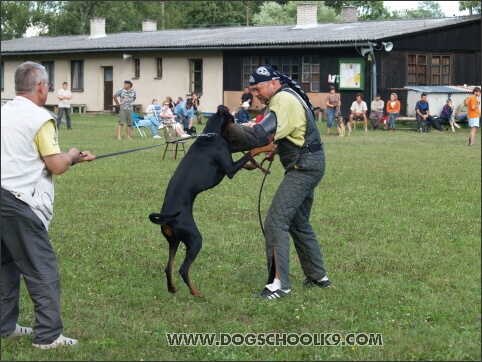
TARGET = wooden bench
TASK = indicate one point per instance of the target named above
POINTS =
(81, 107)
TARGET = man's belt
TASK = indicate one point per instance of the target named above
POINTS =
(311, 148)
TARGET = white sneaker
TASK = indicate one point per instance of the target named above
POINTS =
(456, 125)
(161, 126)
(156, 136)
(61, 341)
(453, 129)
(20, 331)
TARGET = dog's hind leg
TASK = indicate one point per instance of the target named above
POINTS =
(173, 246)
(192, 249)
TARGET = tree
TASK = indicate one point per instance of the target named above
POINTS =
(472, 6)
(273, 13)
(18, 16)
(426, 9)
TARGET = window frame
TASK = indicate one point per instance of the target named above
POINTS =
(49, 66)
(429, 69)
(196, 76)
(77, 75)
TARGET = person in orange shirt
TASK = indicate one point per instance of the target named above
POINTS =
(473, 114)
(393, 110)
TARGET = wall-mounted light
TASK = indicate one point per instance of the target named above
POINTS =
(127, 56)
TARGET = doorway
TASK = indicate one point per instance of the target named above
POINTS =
(108, 88)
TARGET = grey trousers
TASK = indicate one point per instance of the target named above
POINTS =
(289, 214)
(26, 251)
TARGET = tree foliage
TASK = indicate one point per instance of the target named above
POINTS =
(472, 6)
(274, 13)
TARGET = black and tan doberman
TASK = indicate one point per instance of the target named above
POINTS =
(205, 164)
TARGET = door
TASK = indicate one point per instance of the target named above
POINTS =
(108, 88)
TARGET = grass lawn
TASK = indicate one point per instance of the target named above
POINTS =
(397, 216)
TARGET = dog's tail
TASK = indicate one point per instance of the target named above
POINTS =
(160, 219)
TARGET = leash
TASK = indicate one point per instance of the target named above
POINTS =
(128, 151)
(261, 191)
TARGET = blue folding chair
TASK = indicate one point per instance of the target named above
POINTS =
(135, 124)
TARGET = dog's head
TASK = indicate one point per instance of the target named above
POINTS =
(219, 122)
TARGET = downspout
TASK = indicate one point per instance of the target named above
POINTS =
(374, 70)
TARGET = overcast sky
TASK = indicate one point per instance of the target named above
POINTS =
(450, 8)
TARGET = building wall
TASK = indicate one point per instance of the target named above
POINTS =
(174, 82)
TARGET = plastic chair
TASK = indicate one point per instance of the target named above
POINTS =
(172, 143)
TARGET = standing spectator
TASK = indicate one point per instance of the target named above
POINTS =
(333, 105)
(376, 108)
(393, 109)
(127, 97)
(422, 110)
(243, 114)
(64, 96)
(247, 96)
(461, 112)
(196, 102)
(30, 156)
(473, 114)
(447, 114)
(358, 110)
(290, 120)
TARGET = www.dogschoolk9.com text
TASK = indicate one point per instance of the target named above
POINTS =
(274, 339)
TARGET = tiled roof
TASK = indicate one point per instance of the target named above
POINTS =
(331, 34)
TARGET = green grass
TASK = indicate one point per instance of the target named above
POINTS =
(397, 216)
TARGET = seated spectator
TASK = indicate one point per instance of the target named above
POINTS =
(358, 111)
(243, 113)
(167, 118)
(147, 122)
(179, 100)
(247, 96)
(447, 114)
(393, 110)
(376, 113)
(461, 113)
(422, 111)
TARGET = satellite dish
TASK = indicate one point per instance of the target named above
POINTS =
(364, 51)
(388, 46)
(127, 56)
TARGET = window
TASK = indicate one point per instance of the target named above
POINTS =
(249, 64)
(311, 72)
(289, 67)
(308, 74)
(159, 67)
(137, 68)
(196, 76)
(440, 70)
(428, 69)
(49, 67)
(77, 71)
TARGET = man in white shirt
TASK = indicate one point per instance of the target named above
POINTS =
(358, 111)
(64, 96)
